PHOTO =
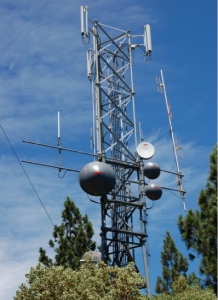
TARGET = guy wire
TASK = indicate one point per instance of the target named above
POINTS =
(27, 175)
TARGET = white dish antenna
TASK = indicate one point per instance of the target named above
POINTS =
(145, 150)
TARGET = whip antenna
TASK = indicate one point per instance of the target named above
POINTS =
(59, 141)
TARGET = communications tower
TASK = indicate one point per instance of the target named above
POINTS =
(109, 69)
(118, 171)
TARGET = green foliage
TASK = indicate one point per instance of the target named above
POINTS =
(199, 228)
(71, 239)
(99, 282)
(91, 282)
(181, 290)
(173, 265)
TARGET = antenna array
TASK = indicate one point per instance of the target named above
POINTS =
(118, 172)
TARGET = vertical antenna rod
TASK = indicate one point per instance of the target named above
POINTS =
(59, 131)
(179, 176)
(59, 140)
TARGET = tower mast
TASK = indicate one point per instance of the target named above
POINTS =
(109, 69)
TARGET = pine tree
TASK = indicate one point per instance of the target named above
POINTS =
(174, 264)
(71, 239)
(199, 228)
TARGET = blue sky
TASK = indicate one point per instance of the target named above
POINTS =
(43, 70)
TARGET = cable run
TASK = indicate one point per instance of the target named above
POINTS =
(27, 175)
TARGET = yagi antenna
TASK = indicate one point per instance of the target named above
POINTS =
(179, 148)
(176, 144)
(159, 85)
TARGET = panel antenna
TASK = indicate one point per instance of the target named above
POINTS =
(147, 40)
(84, 21)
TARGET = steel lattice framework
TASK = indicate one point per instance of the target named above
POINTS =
(115, 140)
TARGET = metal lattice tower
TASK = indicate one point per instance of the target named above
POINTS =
(115, 139)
